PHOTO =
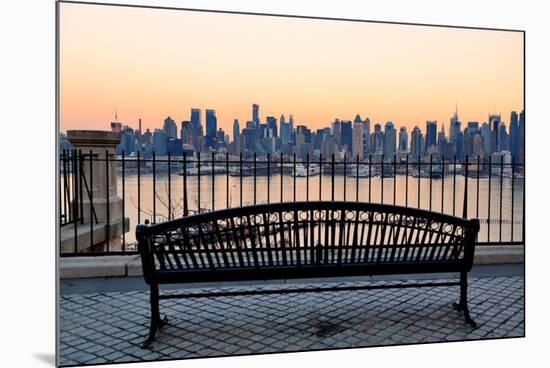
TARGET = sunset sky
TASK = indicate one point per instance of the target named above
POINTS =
(151, 63)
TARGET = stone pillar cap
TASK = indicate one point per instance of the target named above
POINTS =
(93, 138)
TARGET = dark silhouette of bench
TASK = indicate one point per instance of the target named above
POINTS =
(302, 240)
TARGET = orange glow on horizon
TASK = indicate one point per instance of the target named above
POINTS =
(154, 63)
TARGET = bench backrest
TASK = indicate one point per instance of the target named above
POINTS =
(306, 233)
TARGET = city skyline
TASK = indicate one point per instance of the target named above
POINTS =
(136, 63)
(360, 139)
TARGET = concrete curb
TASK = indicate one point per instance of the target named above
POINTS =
(113, 266)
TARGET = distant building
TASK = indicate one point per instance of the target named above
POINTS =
(271, 122)
(403, 146)
(494, 124)
(346, 136)
(236, 130)
(431, 134)
(486, 134)
(256, 114)
(197, 127)
(416, 144)
(160, 142)
(357, 140)
(285, 131)
(514, 136)
(170, 128)
(211, 128)
(116, 127)
(366, 137)
(389, 140)
(521, 139)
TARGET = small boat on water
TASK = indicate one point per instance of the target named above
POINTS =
(301, 171)
(361, 172)
(204, 170)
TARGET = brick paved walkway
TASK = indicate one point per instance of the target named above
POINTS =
(109, 327)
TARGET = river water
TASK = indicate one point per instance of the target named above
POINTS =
(499, 208)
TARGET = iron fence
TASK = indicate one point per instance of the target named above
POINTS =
(156, 189)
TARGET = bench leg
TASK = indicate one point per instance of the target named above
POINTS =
(462, 305)
(156, 321)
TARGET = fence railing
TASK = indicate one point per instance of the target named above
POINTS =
(156, 189)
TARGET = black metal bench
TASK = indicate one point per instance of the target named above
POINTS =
(305, 239)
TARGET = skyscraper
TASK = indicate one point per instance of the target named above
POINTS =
(389, 140)
(285, 131)
(256, 115)
(403, 146)
(160, 142)
(366, 137)
(197, 128)
(514, 137)
(346, 135)
(494, 124)
(416, 143)
(211, 123)
(431, 134)
(521, 138)
(486, 135)
(211, 128)
(236, 130)
(170, 128)
(357, 141)
(271, 122)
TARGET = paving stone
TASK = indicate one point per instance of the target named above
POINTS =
(109, 327)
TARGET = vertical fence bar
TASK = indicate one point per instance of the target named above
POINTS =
(442, 183)
(227, 180)
(60, 189)
(489, 201)
(75, 200)
(268, 177)
(357, 179)
(370, 176)
(431, 176)
(465, 206)
(419, 175)
(123, 202)
(382, 182)
(407, 181)
(91, 200)
(154, 188)
(500, 204)
(185, 197)
(65, 183)
(394, 178)
(108, 226)
(199, 182)
(213, 183)
(332, 180)
(241, 178)
(254, 171)
(80, 178)
(345, 175)
(477, 189)
(320, 174)
(454, 185)
(281, 167)
(169, 186)
(307, 177)
(512, 208)
(139, 187)
(294, 178)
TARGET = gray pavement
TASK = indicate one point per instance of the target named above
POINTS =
(105, 321)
